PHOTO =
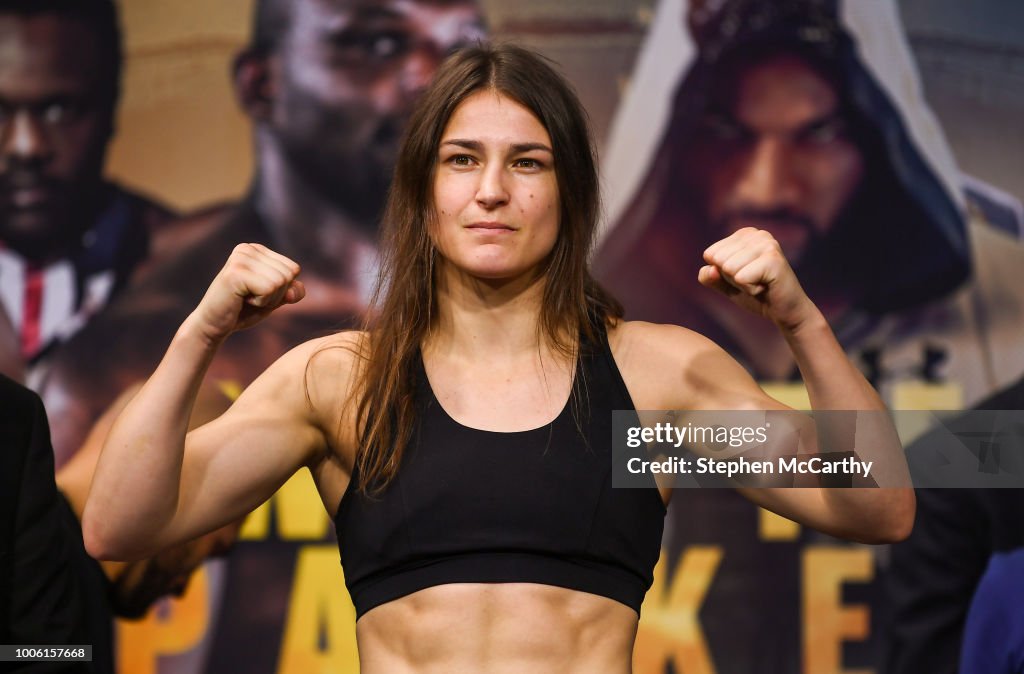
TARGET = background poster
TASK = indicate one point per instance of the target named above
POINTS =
(737, 589)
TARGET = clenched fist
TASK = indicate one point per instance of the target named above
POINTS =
(254, 282)
(748, 267)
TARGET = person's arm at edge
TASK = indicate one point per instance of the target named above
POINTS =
(749, 267)
(154, 486)
(710, 379)
(866, 515)
(44, 601)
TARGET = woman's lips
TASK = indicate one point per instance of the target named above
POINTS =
(490, 227)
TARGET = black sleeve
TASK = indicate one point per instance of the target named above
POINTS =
(42, 600)
(931, 579)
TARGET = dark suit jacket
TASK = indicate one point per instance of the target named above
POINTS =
(934, 573)
(40, 596)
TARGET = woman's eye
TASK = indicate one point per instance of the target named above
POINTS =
(527, 163)
(461, 160)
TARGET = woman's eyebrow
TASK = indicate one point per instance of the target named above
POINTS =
(528, 147)
(468, 144)
(515, 147)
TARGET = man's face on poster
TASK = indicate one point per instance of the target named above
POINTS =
(349, 72)
(774, 152)
(56, 102)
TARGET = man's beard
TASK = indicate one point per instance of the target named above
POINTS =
(346, 156)
(357, 187)
(782, 223)
(829, 262)
(49, 228)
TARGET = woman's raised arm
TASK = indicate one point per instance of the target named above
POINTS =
(154, 485)
(749, 267)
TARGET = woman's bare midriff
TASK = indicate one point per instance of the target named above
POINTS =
(497, 628)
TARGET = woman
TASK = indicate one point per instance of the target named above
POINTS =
(462, 440)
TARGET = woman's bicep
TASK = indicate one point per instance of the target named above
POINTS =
(235, 462)
(711, 379)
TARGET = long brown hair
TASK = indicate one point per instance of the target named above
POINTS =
(403, 309)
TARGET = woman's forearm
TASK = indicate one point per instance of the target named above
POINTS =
(877, 514)
(134, 492)
(135, 504)
(832, 381)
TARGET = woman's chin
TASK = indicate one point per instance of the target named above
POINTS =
(498, 273)
(490, 268)
(493, 269)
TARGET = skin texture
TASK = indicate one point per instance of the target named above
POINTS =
(483, 167)
(490, 370)
(54, 129)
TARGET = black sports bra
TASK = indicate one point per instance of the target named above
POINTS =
(536, 506)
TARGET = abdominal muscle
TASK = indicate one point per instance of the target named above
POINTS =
(497, 628)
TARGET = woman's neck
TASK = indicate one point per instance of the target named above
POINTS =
(487, 320)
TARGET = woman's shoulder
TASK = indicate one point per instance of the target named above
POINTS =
(342, 347)
(659, 340)
(322, 370)
(668, 366)
(331, 356)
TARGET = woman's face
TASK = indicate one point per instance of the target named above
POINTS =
(495, 189)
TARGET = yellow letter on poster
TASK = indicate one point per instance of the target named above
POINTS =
(298, 513)
(320, 635)
(669, 625)
(827, 623)
(171, 627)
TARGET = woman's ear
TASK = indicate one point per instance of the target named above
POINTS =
(253, 80)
